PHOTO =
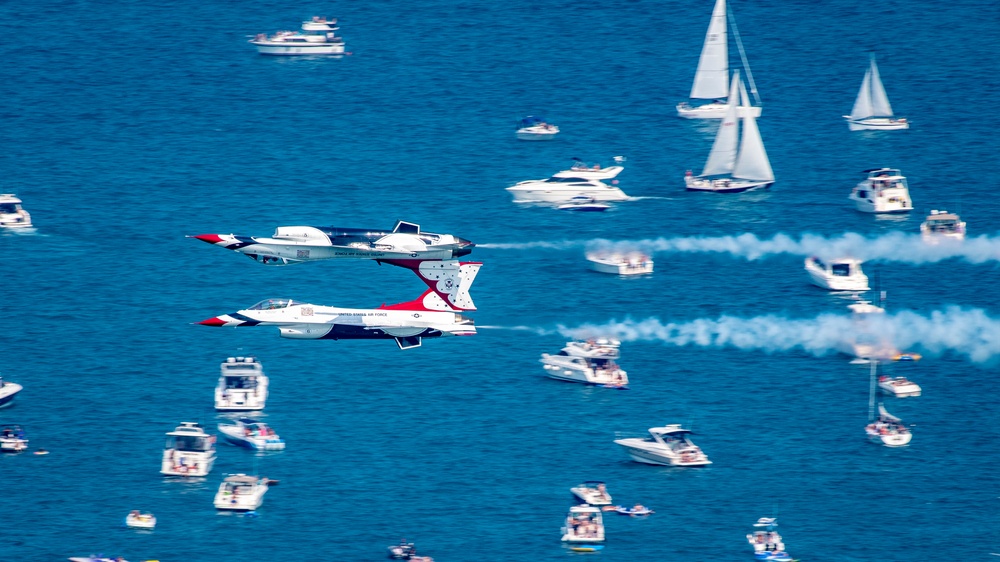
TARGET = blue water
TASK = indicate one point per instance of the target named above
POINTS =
(128, 125)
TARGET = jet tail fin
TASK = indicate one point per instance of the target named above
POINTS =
(449, 280)
(404, 227)
(408, 342)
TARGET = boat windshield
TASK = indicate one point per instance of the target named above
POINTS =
(841, 269)
(272, 304)
(9, 208)
(556, 179)
(190, 443)
(241, 382)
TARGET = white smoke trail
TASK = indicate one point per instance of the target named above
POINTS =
(968, 332)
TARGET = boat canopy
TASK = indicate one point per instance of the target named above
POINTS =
(672, 429)
(531, 121)
(875, 172)
(273, 304)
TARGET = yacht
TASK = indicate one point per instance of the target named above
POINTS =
(765, 539)
(11, 213)
(588, 362)
(13, 439)
(402, 551)
(8, 390)
(579, 180)
(138, 520)
(942, 225)
(884, 190)
(584, 524)
(189, 451)
(618, 263)
(592, 492)
(316, 37)
(252, 434)
(898, 386)
(242, 385)
(239, 492)
(534, 128)
(667, 445)
(583, 203)
(885, 429)
(842, 274)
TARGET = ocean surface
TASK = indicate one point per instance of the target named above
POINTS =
(128, 125)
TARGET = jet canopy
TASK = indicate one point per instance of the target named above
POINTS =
(273, 304)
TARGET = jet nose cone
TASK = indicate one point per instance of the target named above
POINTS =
(214, 321)
(210, 238)
(464, 248)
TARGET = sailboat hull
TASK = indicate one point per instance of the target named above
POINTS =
(876, 124)
(713, 111)
(724, 185)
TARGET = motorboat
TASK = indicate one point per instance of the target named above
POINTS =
(942, 225)
(252, 434)
(12, 215)
(316, 37)
(872, 110)
(713, 70)
(736, 163)
(584, 203)
(885, 428)
(8, 390)
(534, 128)
(900, 387)
(589, 362)
(592, 492)
(189, 451)
(764, 538)
(13, 438)
(637, 510)
(138, 520)
(584, 524)
(242, 385)
(402, 551)
(580, 180)
(239, 492)
(620, 263)
(97, 558)
(884, 190)
(842, 274)
(668, 445)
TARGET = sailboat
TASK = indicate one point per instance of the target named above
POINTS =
(735, 164)
(713, 69)
(871, 109)
(886, 429)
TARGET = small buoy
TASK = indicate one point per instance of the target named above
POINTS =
(41, 452)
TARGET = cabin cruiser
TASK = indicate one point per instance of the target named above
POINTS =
(589, 362)
(402, 551)
(584, 203)
(592, 492)
(320, 23)
(667, 445)
(618, 263)
(942, 225)
(765, 539)
(535, 128)
(96, 558)
(242, 385)
(316, 37)
(138, 520)
(13, 439)
(8, 390)
(252, 434)
(189, 451)
(898, 386)
(584, 524)
(888, 430)
(578, 181)
(883, 191)
(239, 492)
(11, 213)
(842, 274)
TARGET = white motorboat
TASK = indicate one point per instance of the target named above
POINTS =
(620, 263)
(189, 451)
(242, 385)
(843, 274)
(13, 438)
(883, 191)
(871, 109)
(96, 558)
(316, 37)
(8, 390)
(402, 551)
(942, 225)
(584, 524)
(736, 163)
(12, 215)
(535, 128)
(252, 434)
(588, 362)
(592, 492)
(138, 520)
(583, 203)
(667, 445)
(710, 80)
(239, 492)
(578, 181)
(765, 538)
(886, 429)
(898, 386)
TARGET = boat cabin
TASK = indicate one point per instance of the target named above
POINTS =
(239, 484)
(845, 267)
(673, 436)
(941, 222)
(190, 437)
(885, 178)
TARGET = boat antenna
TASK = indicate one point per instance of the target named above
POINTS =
(743, 55)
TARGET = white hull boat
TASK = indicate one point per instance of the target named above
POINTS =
(580, 181)
(885, 428)
(242, 385)
(252, 434)
(93, 558)
(189, 451)
(900, 387)
(589, 362)
(592, 492)
(584, 525)
(8, 391)
(872, 111)
(137, 520)
(883, 191)
(316, 38)
(534, 128)
(942, 225)
(11, 213)
(765, 539)
(240, 492)
(843, 274)
(668, 446)
(13, 439)
(619, 263)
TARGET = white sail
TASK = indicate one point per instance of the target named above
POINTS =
(863, 105)
(752, 162)
(885, 414)
(722, 158)
(879, 100)
(711, 78)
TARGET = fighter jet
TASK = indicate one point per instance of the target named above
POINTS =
(297, 244)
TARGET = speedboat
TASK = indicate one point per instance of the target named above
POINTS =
(667, 445)
(583, 203)
(13, 439)
(534, 128)
(189, 451)
(589, 362)
(900, 387)
(584, 524)
(618, 263)
(252, 434)
(842, 274)
(765, 539)
(942, 225)
(402, 551)
(242, 385)
(138, 520)
(11, 213)
(884, 190)
(96, 558)
(8, 390)
(638, 510)
(592, 492)
(315, 38)
(579, 180)
(888, 430)
(239, 492)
